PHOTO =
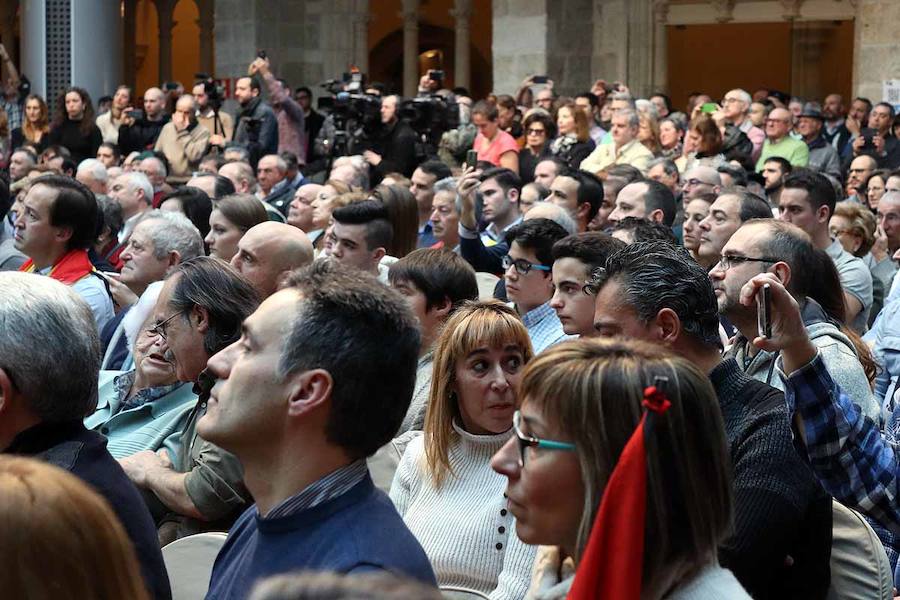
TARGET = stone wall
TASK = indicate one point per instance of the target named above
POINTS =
(877, 48)
(519, 46)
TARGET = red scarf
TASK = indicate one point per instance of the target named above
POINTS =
(73, 265)
(612, 564)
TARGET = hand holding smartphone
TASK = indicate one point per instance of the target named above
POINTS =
(764, 312)
(471, 158)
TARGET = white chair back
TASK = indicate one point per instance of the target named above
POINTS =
(189, 562)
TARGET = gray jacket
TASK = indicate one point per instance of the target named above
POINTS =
(837, 352)
(10, 258)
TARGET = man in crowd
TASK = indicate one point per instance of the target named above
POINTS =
(20, 163)
(156, 173)
(267, 254)
(589, 105)
(808, 201)
(241, 175)
(109, 155)
(529, 285)
(274, 187)
(775, 169)
(625, 149)
(445, 214)
(289, 114)
(110, 121)
(257, 127)
(726, 214)
(48, 383)
(645, 199)
(575, 258)
(434, 283)
(782, 521)
(860, 169)
(580, 193)
(300, 214)
(835, 131)
(394, 150)
(547, 170)
(422, 187)
(198, 313)
(55, 226)
(92, 174)
(360, 236)
(776, 247)
(700, 182)
(822, 156)
(665, 171)
(312, 120)
(140, 134)
(736, 106)
(303, 406)
(219, 132)
(183, 141)
(779, 141)
(500, 189)
(134, 194)
(880, 144)
(857, 119)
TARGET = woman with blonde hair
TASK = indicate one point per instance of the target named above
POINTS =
(573, 143)
(648, 132)
(35, 127)
(444, 487)
(60, 539)
(607, 426)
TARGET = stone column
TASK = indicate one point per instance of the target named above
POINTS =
(206, 22)
(164, 11)
(876, 52)
(462, 53)
(360, 22)
(129, 31)
(410, 16)
(660, 48)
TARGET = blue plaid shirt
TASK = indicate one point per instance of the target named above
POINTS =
(13, 113)
(849, 456)
(544, 327)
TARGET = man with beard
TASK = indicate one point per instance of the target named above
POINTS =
(775, 169)
(257, 127)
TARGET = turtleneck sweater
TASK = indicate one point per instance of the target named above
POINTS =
(464, 525)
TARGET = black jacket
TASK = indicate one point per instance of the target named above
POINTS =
(140, 136)
(257, 129)
(83, 453)
(68, 134)
(397, 146)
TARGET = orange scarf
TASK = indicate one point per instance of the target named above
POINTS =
(73, 265)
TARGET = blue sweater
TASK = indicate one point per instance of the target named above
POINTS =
(357, 531)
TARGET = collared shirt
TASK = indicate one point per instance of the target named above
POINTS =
(426, 236)
(544, 327)
(847, 452)
(492, 234)
(792, 150)
(128, 226)
(93, 291)
(122, 385)
(331, 486)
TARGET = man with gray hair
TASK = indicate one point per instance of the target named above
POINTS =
(241, 175)
(182, 140)
(445, 210)
(20, 163)
(156, 173)
(275, 188)
(133, 192)
(92, 173)
(736, 109)
(626, 149)
(48, 383)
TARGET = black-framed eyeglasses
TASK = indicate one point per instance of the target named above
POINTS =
(160, 328)
(726, 262)
(522, 265)
(526, 441)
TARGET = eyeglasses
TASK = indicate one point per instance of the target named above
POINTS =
(533, 131)
(726, 262)
(695, 182)
(160, 328)
(728, 100)
(778, 120)
(526, 441)
(522, 265)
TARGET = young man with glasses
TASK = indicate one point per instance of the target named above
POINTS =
(654, 291)
(527, 275)
(779, 141)
(770, 246)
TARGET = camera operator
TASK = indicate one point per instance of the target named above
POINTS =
(257, 128)
(140, 130)
(289, 114)
(394, 149)
(209, 103)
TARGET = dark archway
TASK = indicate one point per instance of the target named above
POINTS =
(386, 59)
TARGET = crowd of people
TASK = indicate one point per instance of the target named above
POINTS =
(567, 347)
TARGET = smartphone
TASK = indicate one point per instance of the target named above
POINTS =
(436, 75)
(709, 107)
(764, 312)
(539, 79)
(262, 54)
(137, 115)
(471, 158)
(867, 133)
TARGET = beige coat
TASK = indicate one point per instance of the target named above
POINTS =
(183, 150)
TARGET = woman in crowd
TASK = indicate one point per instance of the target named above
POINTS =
(873, 188)
(35, 127)
(648, 132)
(61, 540)
(695, 211)
(508, 116)
(193, 203)
(229, 220)
(705, 140)
(855, 228)
(330, 197)
(573, 143)
(73, 125)
(671, 133)
(444, 487)
(404, 215)
(582, 403)
(492, 144)
(539, 130)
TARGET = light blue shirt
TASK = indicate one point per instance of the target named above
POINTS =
(93, 291)
(544, 327)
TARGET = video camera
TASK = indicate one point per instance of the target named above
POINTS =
(430, 117)
(215, 93)
(356, 115)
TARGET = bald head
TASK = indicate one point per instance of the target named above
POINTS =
(701, 181)
(778, 124)
(154, 103)
(185, 103)
(268, 252)
(241, 175)
(558, 214)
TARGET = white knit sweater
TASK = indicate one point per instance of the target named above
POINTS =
(464, 526)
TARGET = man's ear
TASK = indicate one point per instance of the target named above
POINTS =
(6, 391)
(64, 234)
(378, 254)
(442, 309)
(582, 212)
(308, 391)
(782, 271)
(656, 216)
(201, 316)
(668, 326)
(173, 258)
(823, 215)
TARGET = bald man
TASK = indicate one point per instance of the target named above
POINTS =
(241, 175)
(780, 143)
(268, 252)
(700, 182)
(300, 214)
(138, 135)
(183, 141)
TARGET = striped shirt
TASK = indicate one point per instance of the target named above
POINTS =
(331, 486)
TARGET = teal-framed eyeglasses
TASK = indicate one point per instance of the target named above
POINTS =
(522, 266)
(526, 441)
